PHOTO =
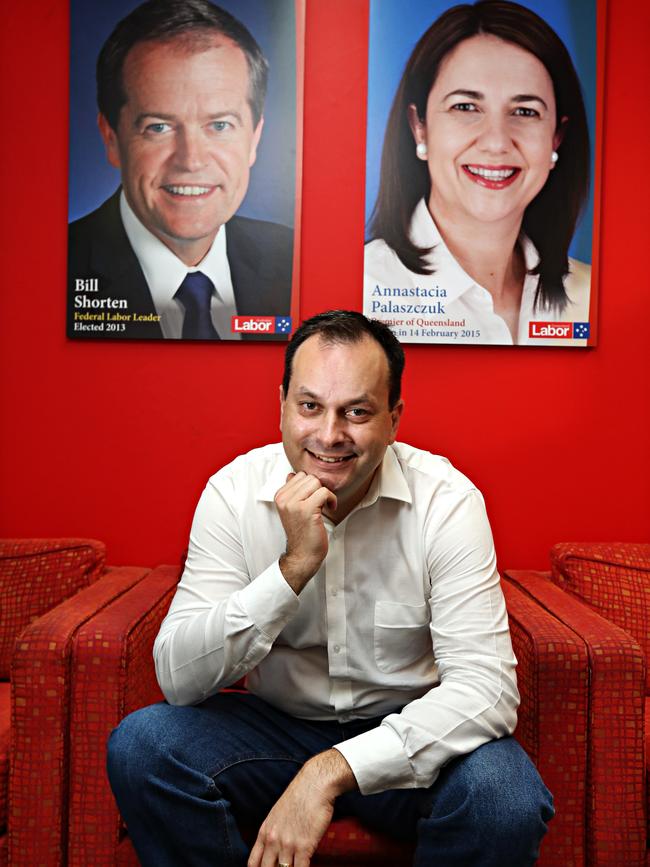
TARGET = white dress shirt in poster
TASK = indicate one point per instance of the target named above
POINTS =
(448, 306)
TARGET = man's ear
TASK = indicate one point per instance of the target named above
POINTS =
(281, 405)
(257, 134)
(109, 137)
(396, 415)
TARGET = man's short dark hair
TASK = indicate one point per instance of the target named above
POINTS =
(166, 20)
(349, 326)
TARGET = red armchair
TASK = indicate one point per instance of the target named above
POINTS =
(114, 675)
(48, 588)
(601, 594)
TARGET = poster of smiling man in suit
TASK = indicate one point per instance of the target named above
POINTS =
(196, 242)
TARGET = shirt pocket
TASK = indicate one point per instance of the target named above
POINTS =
(401, 634)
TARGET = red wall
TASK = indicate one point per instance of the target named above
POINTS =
(115, 441)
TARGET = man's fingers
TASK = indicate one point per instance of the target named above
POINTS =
(323, 497)
(299, 487)
(270, 858)
(255, 857)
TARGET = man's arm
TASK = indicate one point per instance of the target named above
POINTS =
(222, 623)
(300, 504)
(291, 832)
(476, 699)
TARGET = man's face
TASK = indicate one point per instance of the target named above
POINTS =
(185, 139)
(335, 421)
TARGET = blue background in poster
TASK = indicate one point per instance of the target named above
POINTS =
(271, 193)
(396, 26)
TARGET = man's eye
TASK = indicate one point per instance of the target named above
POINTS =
(221, 125)
(157, 128)
(357, 412)
(308, 405)
(522, 111)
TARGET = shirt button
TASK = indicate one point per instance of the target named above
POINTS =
(336, 648)
(334, 591)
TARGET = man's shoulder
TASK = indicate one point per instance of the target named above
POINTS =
(257, 466)
(103, 219)
(419, 465)
(260, 235)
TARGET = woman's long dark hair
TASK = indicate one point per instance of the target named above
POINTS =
(550, 219)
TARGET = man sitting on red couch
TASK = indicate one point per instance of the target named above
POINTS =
(353, 581)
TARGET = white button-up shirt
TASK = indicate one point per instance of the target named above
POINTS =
(448, 306)
(404, 620)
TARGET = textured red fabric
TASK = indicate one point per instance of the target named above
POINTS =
(553, 675)
(40, 680)
(37, 574)
(346, 841)
(5, 738)
(345, 844)
(647, 769)
(614, 822)
(113, 676)
(613, 579)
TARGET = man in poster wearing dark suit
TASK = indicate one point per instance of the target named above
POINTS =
(180, 89)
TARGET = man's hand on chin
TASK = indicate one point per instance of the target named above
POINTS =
(291, 832)
(300, 503)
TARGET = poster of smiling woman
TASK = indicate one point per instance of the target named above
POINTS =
(481, 187)
(185, 143)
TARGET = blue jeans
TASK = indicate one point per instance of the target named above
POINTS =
(189, 780)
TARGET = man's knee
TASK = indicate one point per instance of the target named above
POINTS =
(136, 748)
(498, 790)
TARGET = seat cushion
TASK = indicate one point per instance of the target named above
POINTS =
(36, 575)
(647, 768)
(612, 578)
(5, 738)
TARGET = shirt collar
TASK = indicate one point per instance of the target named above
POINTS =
(277, 477)
(163, 270)
(389, 481)
(447, 273)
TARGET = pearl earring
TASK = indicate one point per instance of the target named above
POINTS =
(554, 158)
(421, 150)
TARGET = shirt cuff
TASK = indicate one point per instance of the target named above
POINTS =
(378, 761)
(269, 601)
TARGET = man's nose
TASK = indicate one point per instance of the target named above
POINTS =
(331, 430)
(495, 135)
(191, 150)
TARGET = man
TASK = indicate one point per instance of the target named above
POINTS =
(180, 88)
(352, 579)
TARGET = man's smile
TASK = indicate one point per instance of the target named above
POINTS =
(188, 190)
(328, 459)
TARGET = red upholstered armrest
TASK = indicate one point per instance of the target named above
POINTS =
(552, 675)
(113, 676)
(612, 578)
(40, 683)
(36, 575)
(615, 821)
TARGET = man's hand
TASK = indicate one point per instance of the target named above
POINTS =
(300, 503)
(291, 832)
